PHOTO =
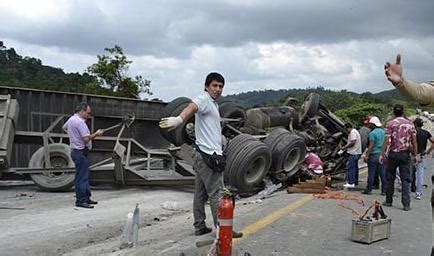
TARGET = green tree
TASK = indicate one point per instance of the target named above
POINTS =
(335, 100)
(112, 73)
(359, 111)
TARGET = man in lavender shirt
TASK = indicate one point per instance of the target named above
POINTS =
(80, 141)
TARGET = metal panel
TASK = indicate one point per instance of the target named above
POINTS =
(8, 111)
(38, 109)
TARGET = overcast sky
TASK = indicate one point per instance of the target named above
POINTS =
(339, 44)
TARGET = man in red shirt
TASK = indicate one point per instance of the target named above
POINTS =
(401, 142)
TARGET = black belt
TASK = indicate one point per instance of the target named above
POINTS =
(84, 151)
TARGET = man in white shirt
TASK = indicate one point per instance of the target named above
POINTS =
(354, 150)
(208, 181)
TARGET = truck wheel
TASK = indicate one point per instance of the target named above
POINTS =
(183, 133)
(60, 156)
(231, 148)
(287, 151)
(309, 107)
(230, 109)
(248, 161)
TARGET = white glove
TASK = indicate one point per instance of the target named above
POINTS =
(170, 122)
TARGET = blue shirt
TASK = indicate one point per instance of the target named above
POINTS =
(377, 136)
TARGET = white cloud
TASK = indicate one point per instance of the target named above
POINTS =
(255, 45)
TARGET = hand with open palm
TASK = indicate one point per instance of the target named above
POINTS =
(394, 71)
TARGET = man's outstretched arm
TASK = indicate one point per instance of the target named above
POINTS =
(422, 93)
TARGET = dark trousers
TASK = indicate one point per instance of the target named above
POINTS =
(401, 160)
(207, 186)
(375, 168)
(82, 188)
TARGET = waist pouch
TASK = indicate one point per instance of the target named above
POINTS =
(215, 162)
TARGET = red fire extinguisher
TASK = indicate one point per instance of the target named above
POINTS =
(225, 221)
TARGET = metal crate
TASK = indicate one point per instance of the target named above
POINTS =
(368, 231)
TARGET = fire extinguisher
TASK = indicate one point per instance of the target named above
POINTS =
(225, 221)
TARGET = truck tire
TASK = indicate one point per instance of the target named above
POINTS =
(309, 107)
(287, 151)
(266, 117)
(231, 148)
(230, 109)
(60, 155)
(248, 161)
(183, 133)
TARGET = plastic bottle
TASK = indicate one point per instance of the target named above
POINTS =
(170, 205)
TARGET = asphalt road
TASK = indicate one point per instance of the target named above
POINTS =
(38, 223)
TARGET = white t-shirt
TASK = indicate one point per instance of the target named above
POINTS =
(207, 125)
(356, 149)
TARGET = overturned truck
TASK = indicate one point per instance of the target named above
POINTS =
(268, 141)
(34, 146)
(260, 142)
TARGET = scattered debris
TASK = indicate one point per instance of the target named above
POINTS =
(170, 205)
(342, 196)
(268, 190)
(11, 208)
(316, 185)
(24, 195)
(256, 201)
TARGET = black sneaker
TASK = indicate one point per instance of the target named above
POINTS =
(366, 192)
(90, 201)
(406, 208)
(236, 234)
(84, 205)
(202, 231)
(387, 204)
(383, 193)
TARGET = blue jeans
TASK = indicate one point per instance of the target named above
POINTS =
(353, 169)
(82, 188)
(419, 175)
(374, 168)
